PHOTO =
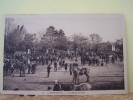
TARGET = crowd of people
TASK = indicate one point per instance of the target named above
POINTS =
(20, 63)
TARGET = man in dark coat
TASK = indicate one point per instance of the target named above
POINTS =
(66, 66)
(48, 70)
(57, 86)
(33, 68)
(70, 69)
(75, 77)
(55, 66)
(29, 66)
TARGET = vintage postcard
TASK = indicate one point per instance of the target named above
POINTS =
(64, 54)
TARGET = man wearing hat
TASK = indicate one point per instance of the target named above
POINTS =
(57, 86)
(48, 70)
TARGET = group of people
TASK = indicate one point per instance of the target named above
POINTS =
(100, 58)
(62, 64)
(29, 62)
(76, 67)
(20, 65)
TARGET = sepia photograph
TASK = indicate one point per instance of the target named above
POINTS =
(64, 54)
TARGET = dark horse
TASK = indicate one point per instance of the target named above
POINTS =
(82, 71)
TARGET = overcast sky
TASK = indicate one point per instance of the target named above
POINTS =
(109, 27)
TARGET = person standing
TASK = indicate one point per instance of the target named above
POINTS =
(75, 77)
(55, 66)
(66, 66)
(48, 70)
(113, 59)
(33, 68)
(21, 68)
(29, 66)
(70, 69)
(60, 65)
(57, 86)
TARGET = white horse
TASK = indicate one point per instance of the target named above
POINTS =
(82, 87)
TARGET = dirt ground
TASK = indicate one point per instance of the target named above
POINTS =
(107, 77)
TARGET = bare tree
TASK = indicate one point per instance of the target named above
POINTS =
(9, 25)
(14, 39)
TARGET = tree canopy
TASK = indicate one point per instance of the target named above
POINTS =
(18, 39)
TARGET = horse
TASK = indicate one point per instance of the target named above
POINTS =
(82, 87)
(82, 71)
(73, 87)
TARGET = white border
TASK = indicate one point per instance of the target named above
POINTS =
(65, 92)
(91, 92)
